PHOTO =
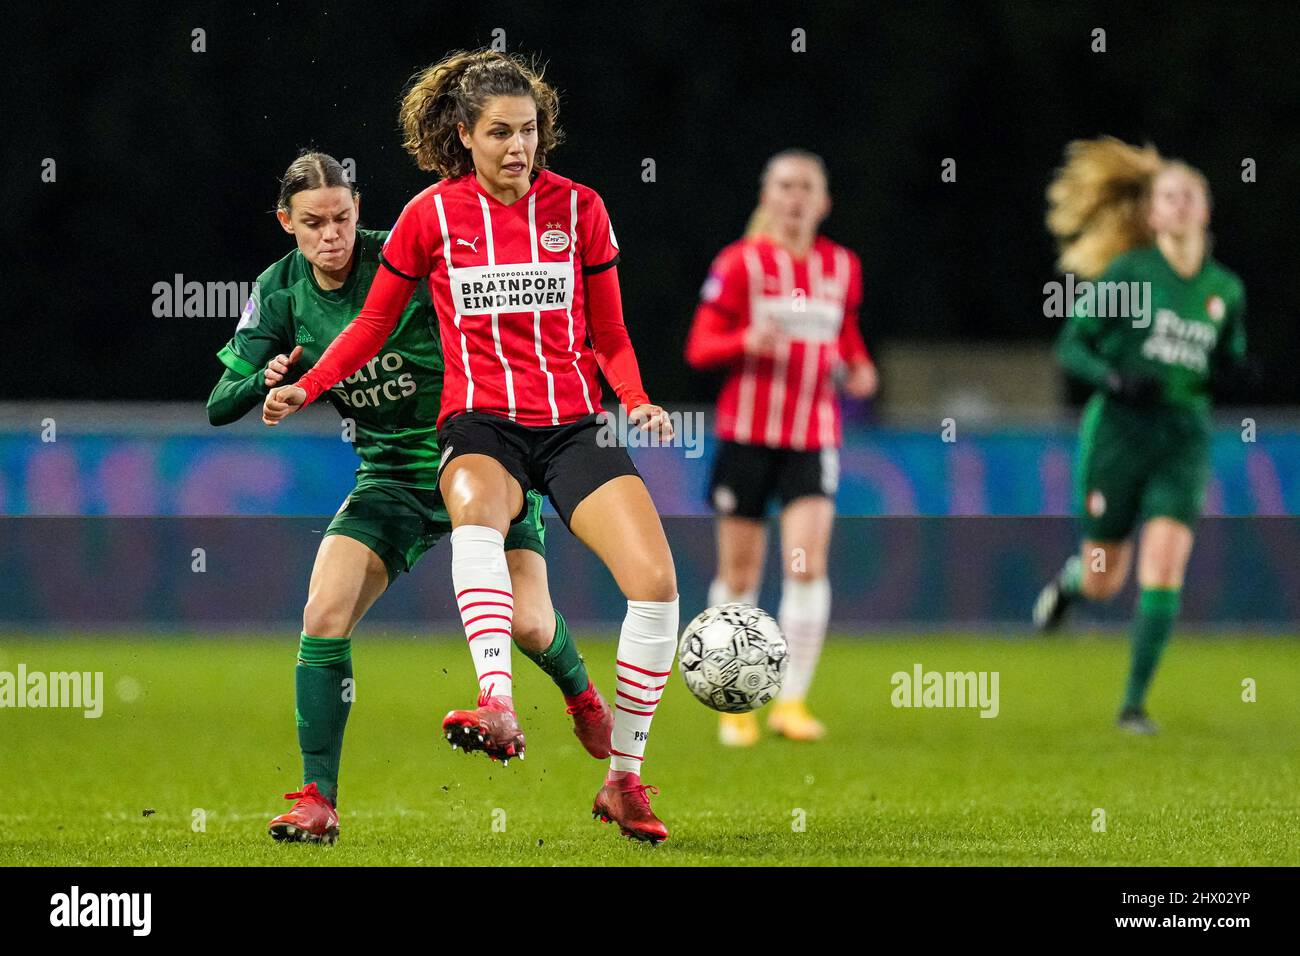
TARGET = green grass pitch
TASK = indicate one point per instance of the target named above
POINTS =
(211, 728)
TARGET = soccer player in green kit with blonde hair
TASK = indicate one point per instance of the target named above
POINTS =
(395, 513)
(1122, 214)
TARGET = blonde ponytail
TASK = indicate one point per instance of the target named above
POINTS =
(1097, 203)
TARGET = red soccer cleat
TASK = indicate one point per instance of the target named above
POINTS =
(623, 800)
(492, 727)
(312, 819)
(593, 721)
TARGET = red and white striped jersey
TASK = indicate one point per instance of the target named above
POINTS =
(786, 400)
(506, 283)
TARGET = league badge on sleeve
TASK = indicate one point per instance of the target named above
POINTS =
(711, 289)
(248, 318)
(1215, 308)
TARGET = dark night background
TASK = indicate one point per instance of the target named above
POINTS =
(167, 159)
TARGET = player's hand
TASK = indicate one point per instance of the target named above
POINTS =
(763, 339)
(282, 402)
(861, 380)
(279, 367)
(652, 418)
(1134, 388)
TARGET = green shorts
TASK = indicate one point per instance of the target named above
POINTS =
(399, 523)
(1136, 464)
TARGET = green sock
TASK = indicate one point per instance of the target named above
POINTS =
(561, 661)
(1157, 608)
(1070, 579)
(324, 687)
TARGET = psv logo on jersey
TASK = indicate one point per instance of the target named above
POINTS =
(554, 240)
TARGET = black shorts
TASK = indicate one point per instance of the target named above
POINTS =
(746, 477)
(564, 462)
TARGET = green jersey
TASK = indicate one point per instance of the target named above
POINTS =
(393, 399)
(1174, 330)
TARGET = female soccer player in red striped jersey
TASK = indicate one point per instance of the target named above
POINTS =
(779, 311)
(395, 512)
(521, 263)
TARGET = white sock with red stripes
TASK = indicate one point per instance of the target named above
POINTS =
(720, 593)
(803, 615)
(483, 593)
(646, 646)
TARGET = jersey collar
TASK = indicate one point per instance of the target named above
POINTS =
(478, 187)
(1169, 266)
(765, 239)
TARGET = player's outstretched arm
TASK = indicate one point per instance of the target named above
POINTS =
(236, 394)
(362, 339)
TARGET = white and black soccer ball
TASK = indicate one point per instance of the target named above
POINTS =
(733, 657)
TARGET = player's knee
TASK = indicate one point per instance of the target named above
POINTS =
(741, 568)
(1162, 574)
(484, 513)
(1101, 585)
(532, 629)
(323, 618)
(803, 568)
(741, 580)
(655, 581)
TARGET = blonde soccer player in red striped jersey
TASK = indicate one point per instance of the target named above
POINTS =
(779, 312)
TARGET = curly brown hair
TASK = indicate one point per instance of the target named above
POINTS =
(455, 90)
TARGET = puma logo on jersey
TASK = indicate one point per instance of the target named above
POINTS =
(304, 336)
(472, 245)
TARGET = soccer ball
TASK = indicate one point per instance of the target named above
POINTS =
(733, 657)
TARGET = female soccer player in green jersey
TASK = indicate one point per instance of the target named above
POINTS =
(395, 513)
(1138, 223)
